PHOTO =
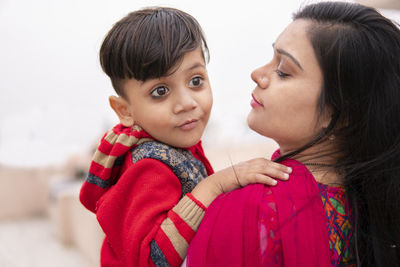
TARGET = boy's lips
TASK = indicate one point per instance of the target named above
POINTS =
(188, 125)
(254, 103)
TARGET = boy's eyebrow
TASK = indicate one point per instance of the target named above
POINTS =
(283, 52)
(196, 65)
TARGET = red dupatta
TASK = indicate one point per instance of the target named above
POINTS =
(229, 233)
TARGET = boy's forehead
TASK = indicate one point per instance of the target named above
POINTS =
(191, 61)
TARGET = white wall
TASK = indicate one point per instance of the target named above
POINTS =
(54, 95)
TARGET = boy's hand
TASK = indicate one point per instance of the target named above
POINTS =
(253, 171)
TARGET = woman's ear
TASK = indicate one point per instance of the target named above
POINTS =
(122, 108)
(326, 117)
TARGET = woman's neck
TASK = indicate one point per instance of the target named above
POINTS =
(320, 160)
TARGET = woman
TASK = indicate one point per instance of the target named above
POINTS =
(330, 98)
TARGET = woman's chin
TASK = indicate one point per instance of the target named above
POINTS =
(253, 125)
(250, 121)
(255, 129)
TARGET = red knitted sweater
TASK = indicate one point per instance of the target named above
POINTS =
(141, 210)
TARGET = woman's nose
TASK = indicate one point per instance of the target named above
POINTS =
(260, 77)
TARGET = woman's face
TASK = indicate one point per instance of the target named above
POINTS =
(284, 102)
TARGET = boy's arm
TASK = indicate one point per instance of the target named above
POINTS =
(145, 220)
(176, 232)
(257, 170)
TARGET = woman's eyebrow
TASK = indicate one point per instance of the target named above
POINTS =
(283, 52)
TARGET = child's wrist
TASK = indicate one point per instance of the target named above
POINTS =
(225, 180)
(206, 191)
(196, 201)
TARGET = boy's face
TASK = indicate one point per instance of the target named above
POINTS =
(174, 109)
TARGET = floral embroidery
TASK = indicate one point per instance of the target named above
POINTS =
(339, 228)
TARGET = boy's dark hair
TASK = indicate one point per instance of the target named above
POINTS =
(148, 43)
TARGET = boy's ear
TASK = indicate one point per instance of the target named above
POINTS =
(121, 108)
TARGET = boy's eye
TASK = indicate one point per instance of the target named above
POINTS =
(159, 92)
(196, 82)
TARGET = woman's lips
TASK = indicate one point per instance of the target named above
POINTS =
(254, 103)
(189, 125)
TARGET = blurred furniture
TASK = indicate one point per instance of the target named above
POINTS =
(73, 224)
(23, 192)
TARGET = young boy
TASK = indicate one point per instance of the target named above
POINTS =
(146, 182)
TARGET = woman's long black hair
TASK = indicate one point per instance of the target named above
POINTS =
(359, 53)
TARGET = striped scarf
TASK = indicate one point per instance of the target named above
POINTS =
(104, 169)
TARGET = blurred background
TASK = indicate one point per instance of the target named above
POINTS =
(54, 107)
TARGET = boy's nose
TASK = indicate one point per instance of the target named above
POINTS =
(260, 77)
(185, 102)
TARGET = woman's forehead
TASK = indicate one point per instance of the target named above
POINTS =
(295, 41)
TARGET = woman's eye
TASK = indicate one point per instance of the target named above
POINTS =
(159, 92)
(281, 74)
(196, 82)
